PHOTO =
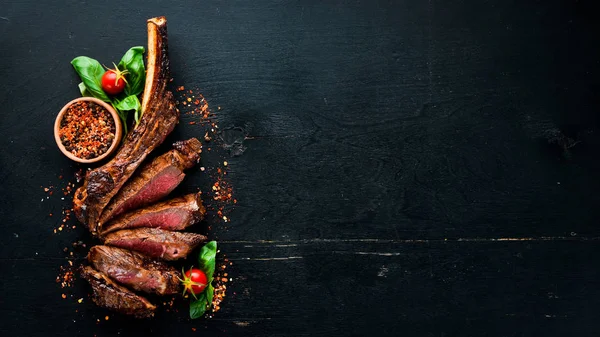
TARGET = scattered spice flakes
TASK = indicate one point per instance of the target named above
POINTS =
(169, 304)
(220, 287)
(78, 244)
(66, 213)
(64, 223)
(222, 194)
(66, 276)
(197, 104)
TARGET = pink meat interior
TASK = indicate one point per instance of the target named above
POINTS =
(121, 276)
(158, 187)
(147, 247)
(170, 219)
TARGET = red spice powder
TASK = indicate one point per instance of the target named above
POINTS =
(87, 130)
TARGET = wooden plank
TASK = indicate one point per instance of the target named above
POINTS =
(343, 287)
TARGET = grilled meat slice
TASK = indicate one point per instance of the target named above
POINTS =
(112, 296)
(175, 214)
(103, 183)
(135, 270)
(155, 242)
(160, 116)
(154, 180)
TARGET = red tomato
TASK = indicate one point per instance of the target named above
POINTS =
(195, 281)
(113, 81)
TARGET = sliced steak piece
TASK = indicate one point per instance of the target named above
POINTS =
(154, 180)
(135, 270)
(112, 296)
(155, 242)
(159, 118)
(174, 214)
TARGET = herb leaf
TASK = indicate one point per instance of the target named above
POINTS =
(83, 90)
(209, 293)
(198, 307)
(206, 259)
(90, 71)
(129, 103)
(133, 62)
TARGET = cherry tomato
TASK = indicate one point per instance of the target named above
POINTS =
(195, 281)
(113, 81)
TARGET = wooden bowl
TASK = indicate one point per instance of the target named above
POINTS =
(115, 142)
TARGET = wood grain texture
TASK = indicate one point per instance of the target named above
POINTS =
(424, 168)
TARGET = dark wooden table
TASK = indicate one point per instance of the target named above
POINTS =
(411, 168)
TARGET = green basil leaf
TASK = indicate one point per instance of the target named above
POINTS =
(90, 71)
(127, 104)
(133, 62)
(207, 259)
(83, 90)
(209, 293)
(198, 307)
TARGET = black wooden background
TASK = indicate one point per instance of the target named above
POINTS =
(412, 167)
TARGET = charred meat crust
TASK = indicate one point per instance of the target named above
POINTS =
(159, 118)
(135, 270)
(110, 295)
(184, 155)
(189, 150)
(188, 206)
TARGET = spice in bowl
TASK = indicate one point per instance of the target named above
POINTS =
(87, 130)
